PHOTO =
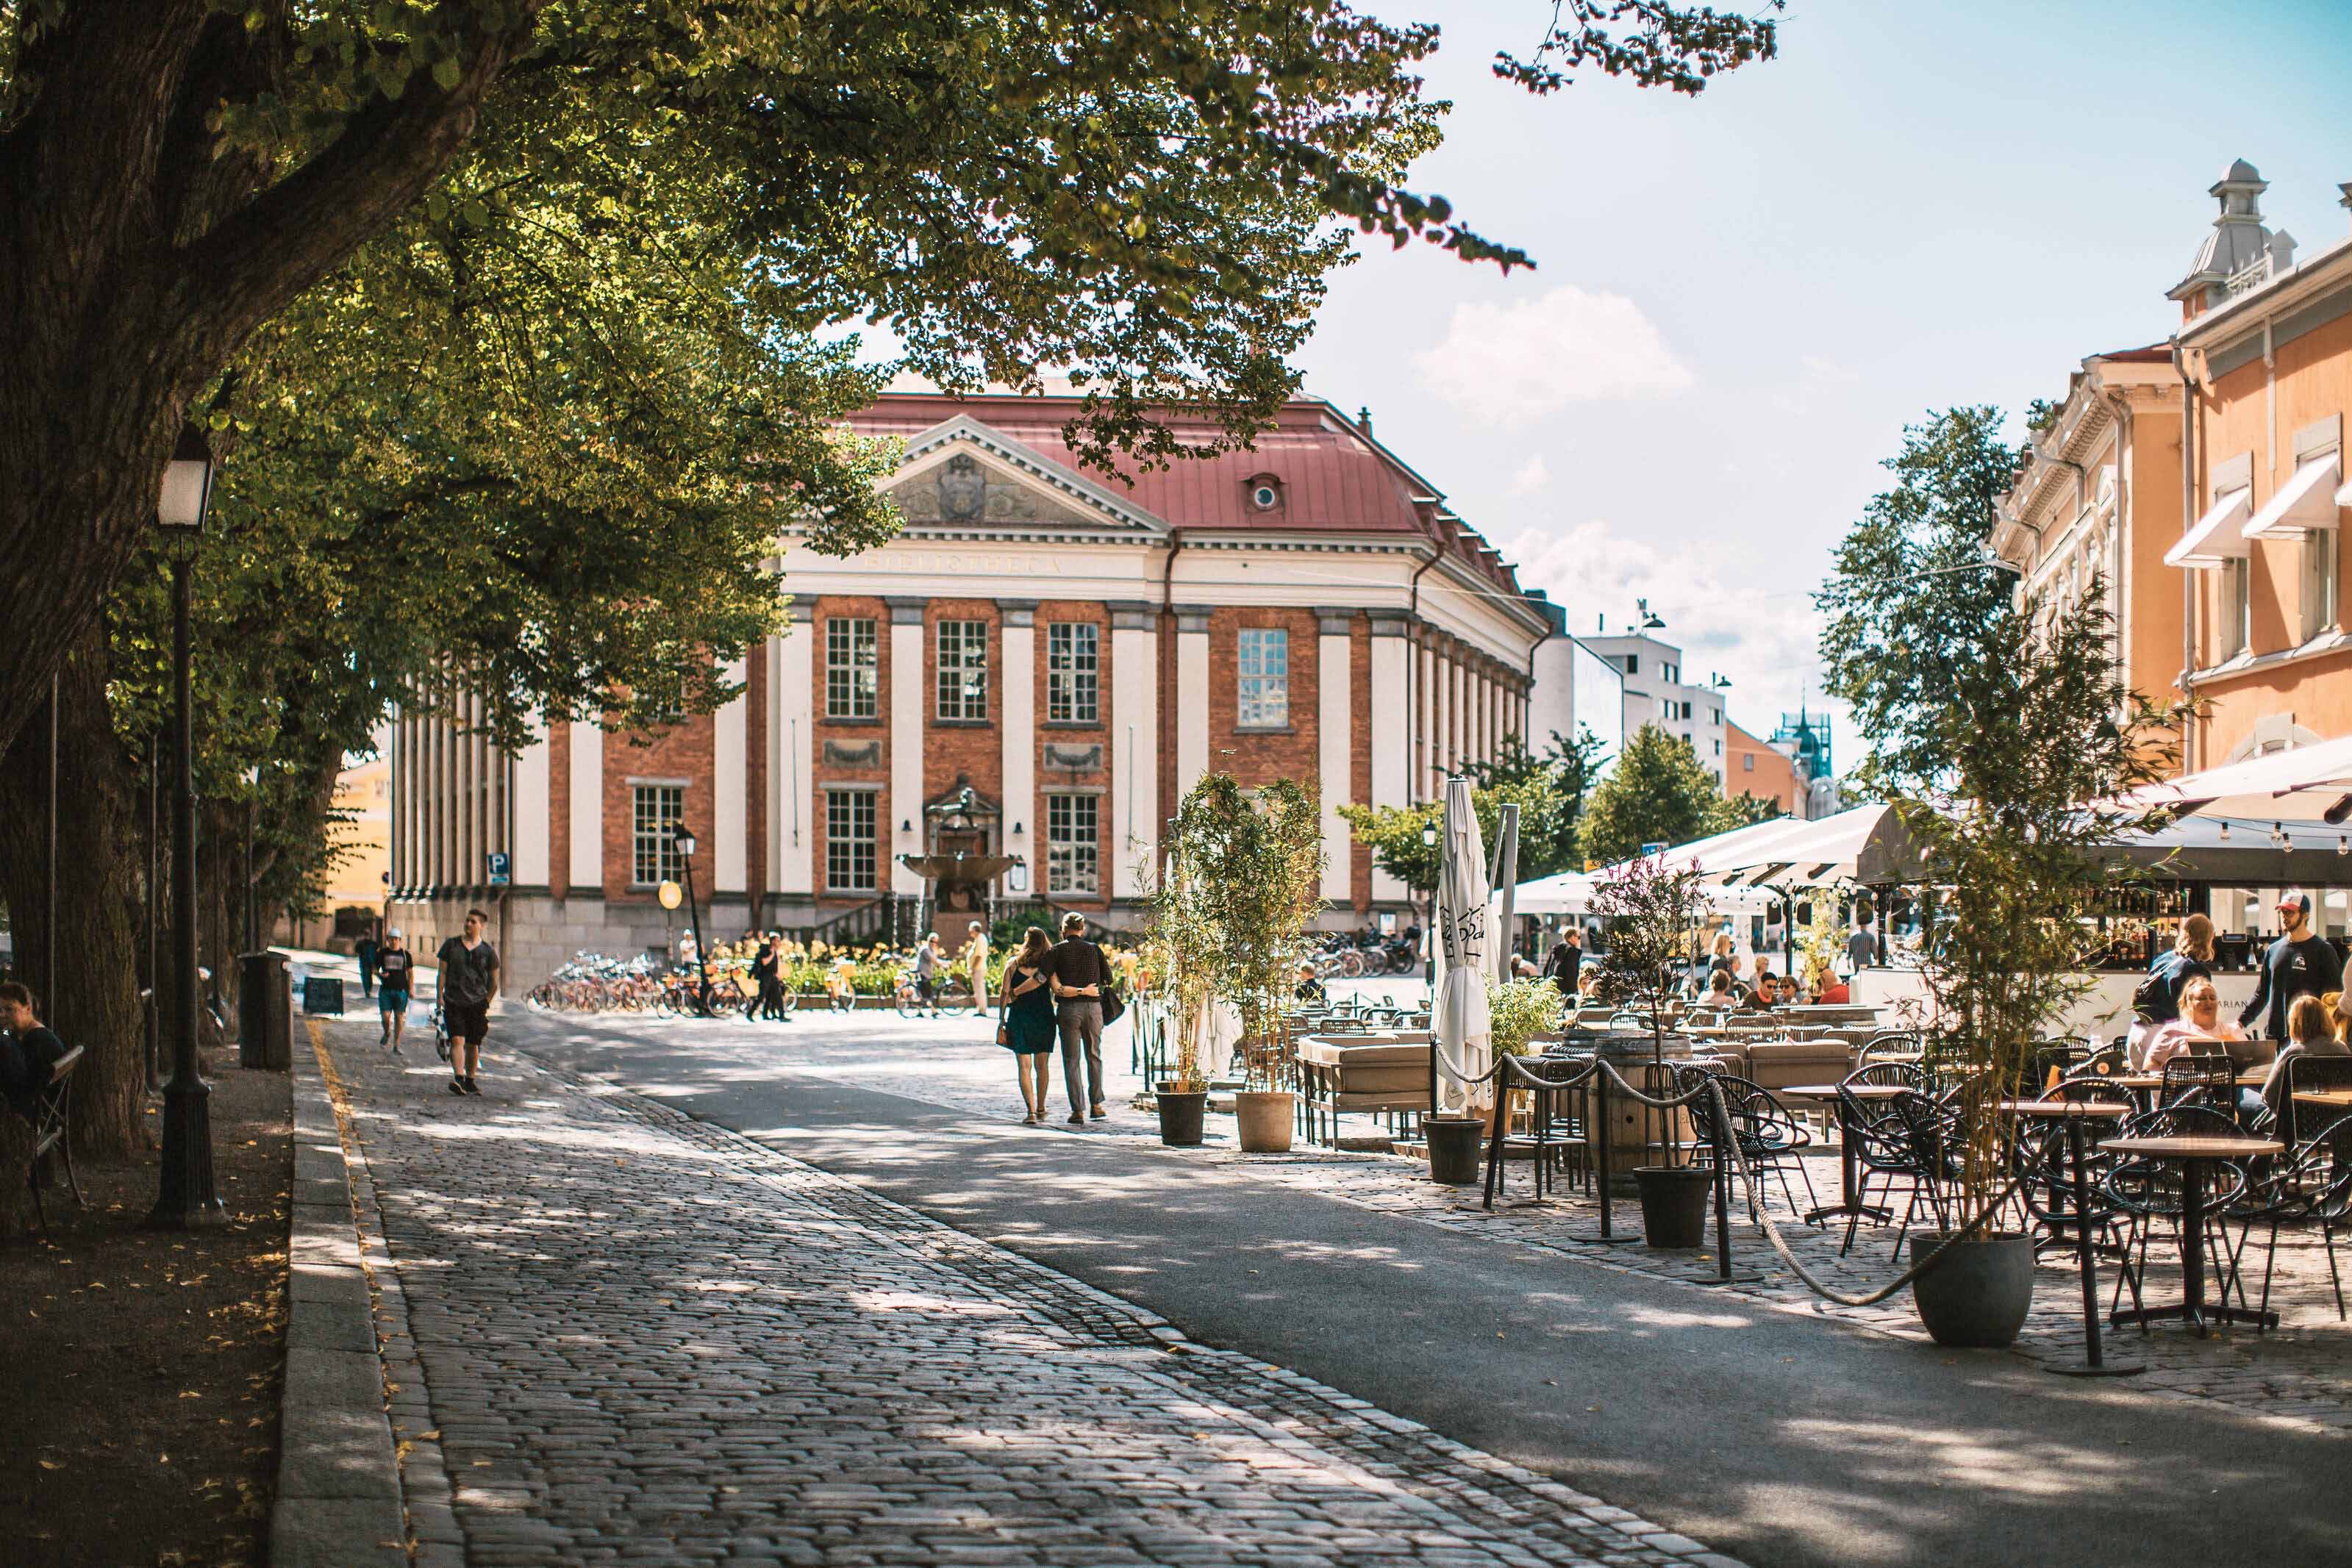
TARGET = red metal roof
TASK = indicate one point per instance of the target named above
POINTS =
(1333, 476)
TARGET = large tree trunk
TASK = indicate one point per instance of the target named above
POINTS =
(96, 939)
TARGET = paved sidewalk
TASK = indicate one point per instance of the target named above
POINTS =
(619, 1334)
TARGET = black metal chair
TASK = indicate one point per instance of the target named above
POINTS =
(52, 1106)
(1556, 1128)
(2208, 1080)
(2313, 1185)
(1883, 1145)
(1762, 1129)
(2304, 1072)
(2056, 1206)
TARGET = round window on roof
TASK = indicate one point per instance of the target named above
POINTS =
(1266, 492)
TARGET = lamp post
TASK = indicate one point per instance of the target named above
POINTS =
(685, 843)
(184, 1198)
(252, 808)
(1429, 932)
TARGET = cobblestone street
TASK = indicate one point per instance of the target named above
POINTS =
(2300, 1374)
(615, 1334)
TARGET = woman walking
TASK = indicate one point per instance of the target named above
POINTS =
(1028, 1028)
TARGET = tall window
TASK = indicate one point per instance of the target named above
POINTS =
(1264, 678)
(963, 669)
(1633, 664)
(853, 681)
(1073, 672)
(655, 812)
(1073, 853)
(2321, 583)
(2237, 610)
(849, 840)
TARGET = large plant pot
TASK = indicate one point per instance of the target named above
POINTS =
(1264, 1117)
(1180, 1117)
(1455, 1143)
(1673, 1204)
(1977, 1297)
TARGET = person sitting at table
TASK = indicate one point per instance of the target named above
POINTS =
(28, 1050)
(2310, 1033)
(1719, 993)
(2201, 1023)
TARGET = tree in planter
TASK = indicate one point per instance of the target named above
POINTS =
(1651, 910)
(1181, 946)
(2001, 733)
(1256, 861)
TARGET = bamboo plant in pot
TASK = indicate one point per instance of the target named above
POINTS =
(1651, 908)
(1999, 731)
(1181, 941)
(1258, 856)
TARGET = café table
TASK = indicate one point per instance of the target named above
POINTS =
(1848, 1199)
(2194, 1154)
(2074, 1113)
(2339, 1098)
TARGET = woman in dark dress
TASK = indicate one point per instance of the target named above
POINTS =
(1028, 1029)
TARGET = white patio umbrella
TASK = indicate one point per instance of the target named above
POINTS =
(1562, 893)
(1460, 1020)
(2304, 784)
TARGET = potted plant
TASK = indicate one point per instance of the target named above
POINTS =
(1999, 731)
(1651, 908)
(1254, 862)
(1183, 933)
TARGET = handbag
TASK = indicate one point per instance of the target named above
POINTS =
(1114, 1007)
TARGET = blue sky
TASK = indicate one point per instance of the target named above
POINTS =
(1742, 298)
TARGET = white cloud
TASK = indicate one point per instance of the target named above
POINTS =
(1766, 642)
(1533, 475)
(1521, 361)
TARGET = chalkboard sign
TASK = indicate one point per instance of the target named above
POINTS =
(322, 994)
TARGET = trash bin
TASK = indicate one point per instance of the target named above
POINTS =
(265, 1012)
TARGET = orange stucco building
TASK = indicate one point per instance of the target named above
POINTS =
(2265, 351)
(1754, 767)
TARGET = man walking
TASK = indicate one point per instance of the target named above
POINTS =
(974, 960)
(364, 950)
(399, 968)
(1566, 964)
(469, 978)
(2299, 964)
(1079, 972)
(1862, 949)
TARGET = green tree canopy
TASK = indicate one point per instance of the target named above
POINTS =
(1148, 195)
(1657, 793)
(1548, 789)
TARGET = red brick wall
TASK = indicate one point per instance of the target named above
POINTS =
(1360, 756)
(559, 809)
(1074, 736)
(755, 772)
(851, 734)
(951, 749)
(680, 751)
(1259, 756)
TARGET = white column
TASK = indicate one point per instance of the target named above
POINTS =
(1016, 688)
(907, 686)
(1391, 727)
(1335, 745)
(1425, 718)
(731, 789)
(1191, 700)
(1134, 748)
(587, 808)
(533, 825)
(1442, 724)
(792, 752)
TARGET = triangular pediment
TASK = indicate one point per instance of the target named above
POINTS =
(960, 475)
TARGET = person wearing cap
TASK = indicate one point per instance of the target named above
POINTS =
(395, 975)
(2299, 964)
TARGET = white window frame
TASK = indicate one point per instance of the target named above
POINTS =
(1073, 853)
(2322, 586)
(1262, 678)
(655, 811)
(2237, 593)
(1073, 671)
(962, 662)
(852, 667)
(843, 840)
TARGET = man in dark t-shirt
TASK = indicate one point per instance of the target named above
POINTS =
(1079, 973)
(2299, 964)
(469, 978)
(1565, 963)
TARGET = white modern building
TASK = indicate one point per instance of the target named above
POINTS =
(1656, 690)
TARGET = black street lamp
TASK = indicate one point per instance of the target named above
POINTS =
(685, 843)
(184, 1198)
(1429, 933)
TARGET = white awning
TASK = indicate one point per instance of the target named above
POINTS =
(2215, 539)
(2302, 784)
(2305, 502)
